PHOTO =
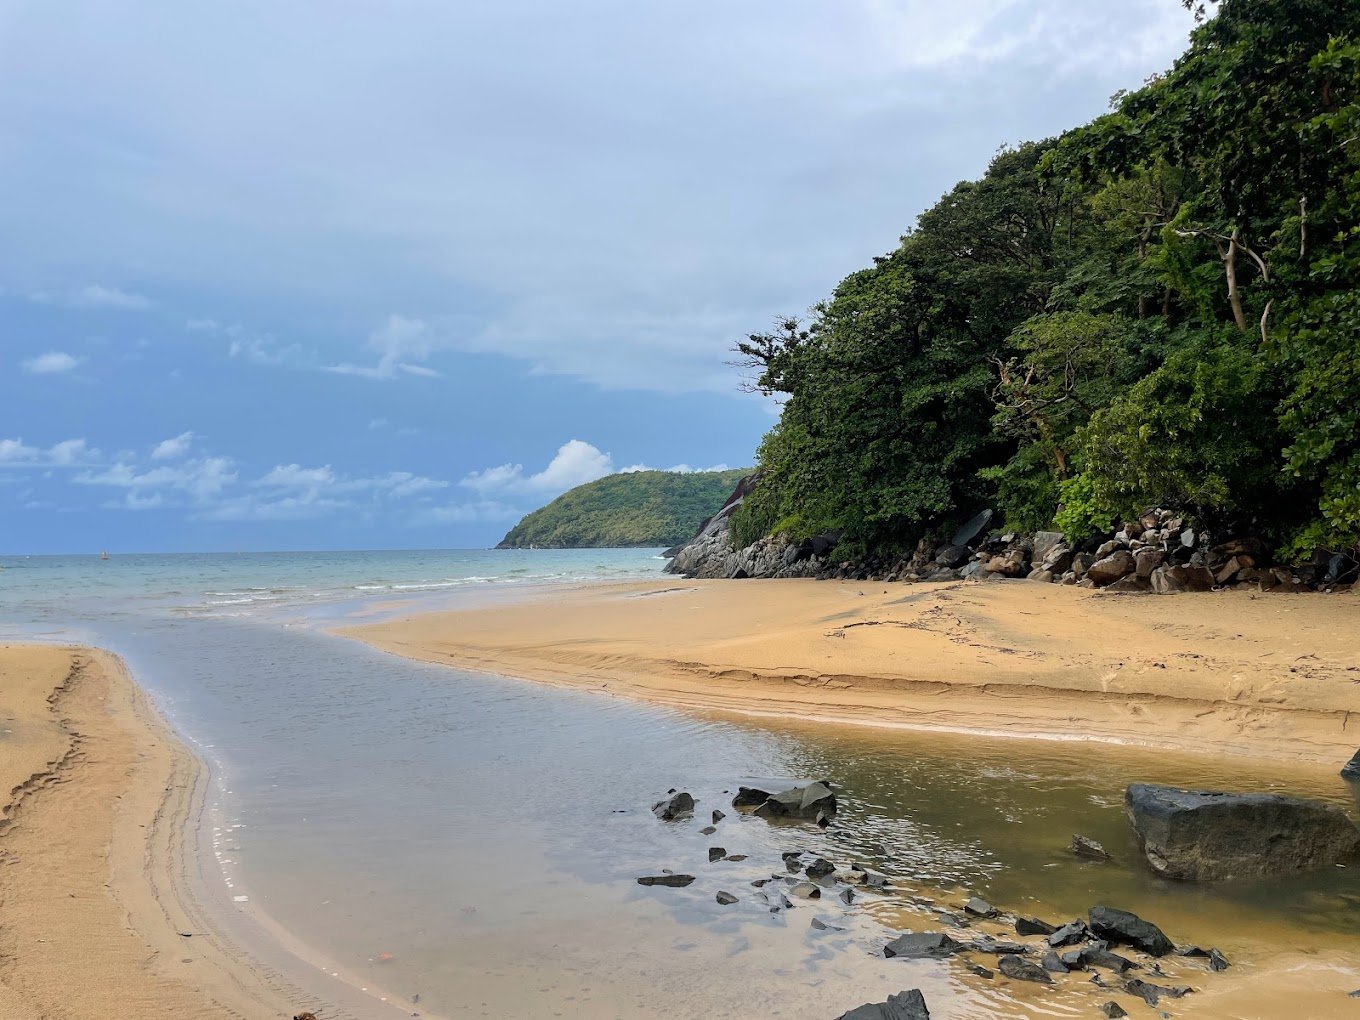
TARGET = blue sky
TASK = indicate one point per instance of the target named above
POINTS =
(301, 275)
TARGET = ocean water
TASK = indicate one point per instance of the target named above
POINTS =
(399, 838)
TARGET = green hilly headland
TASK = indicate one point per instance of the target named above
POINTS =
(637, 509)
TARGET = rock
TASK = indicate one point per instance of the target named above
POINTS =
(1151, 993)
(819, 869)
(1058, 561)
(1022, 970)
(819, 925)
(1089, 849)
(1098, 954)
(1121, 927)
(1042, 576)
(1228, 572)
(1069, 934)
(979, 908)
(1351, 770)
(748, 796)
(1195, 835)
(953, 555)
(944, 574)
(707, 830)
(1112, 1010)
(846, 896)
(1081, 562)
(673, 881)
(718, 816)
(726, 899)
(1111, 568)
(1044, 544)
(1008, 564)
(1130, 585)
(908, 1005)
(1033, 926)
(980, 971)
(807, 890)
(716, 853)
(804, 802)
(1217, 961)
(999, 947)
(735, 858)
(677, 808)
(1172, 580)
(1052, 963)
(970, 531)
(922, 944)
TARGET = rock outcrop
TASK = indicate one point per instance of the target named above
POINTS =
(908, 1005)
(1195, 835)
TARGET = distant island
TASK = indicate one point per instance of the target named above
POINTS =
(637, 509)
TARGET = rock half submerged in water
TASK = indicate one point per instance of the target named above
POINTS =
(1196, 835)
(908, 1005)
(1121, 927)
(814, 802)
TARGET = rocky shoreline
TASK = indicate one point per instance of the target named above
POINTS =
(1111, 951)
(1161, 552)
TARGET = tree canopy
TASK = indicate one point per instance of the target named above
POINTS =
(1157, 308)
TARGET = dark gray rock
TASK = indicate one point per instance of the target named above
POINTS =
(716, 853)
(718, 816)
(1021, 969)
(908, 1005)
(1098, 954)
(1351, 770)
(916, 945)
(846, 896)
(1069, 934)
(1147, 560)
(726, 899)
(979, 908)
(1089, 849)
(819, 925)
(1171, 580)
(1217, 961)
(1113, 1010)
(807, 890)
(999, 947)
(970, 531)
(1053, 963)
(1033, 926)
(707, 830)
(980, 971)
(953, 556)
(673, 881)
(1196, 835)
(1123, 928)
(1152, 994)
(819, 869)
(674, 809)
(810, 803)
(748, 796)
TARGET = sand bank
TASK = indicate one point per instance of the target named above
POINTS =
(1226, 672)
(93, 858)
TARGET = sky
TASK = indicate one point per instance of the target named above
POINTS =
(390, 273)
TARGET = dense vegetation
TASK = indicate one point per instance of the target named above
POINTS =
(1158, 308)
(638, 509)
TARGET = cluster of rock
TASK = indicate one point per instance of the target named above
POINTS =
(1159, 552)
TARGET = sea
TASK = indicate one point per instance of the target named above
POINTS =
(394, 838)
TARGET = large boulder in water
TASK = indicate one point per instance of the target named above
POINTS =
(1121, 927)
(908, 1005)
(1196, 835)
(811, 802)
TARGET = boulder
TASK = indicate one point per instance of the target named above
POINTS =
(1021, 969)
(1109, 569)
(1351, 770)
(1196, 835)
(716, 853)
(1121, 927)
(1130, 585)
(1081, 563)
(1033, 926)
(908, 1005)
(749, 796)
(1147, 560)
(676, 808)
(1042, 576)
(1171, 580)
(1113, 1010)
(970, 531)
(725, 899)
(1044, 544)
(979, 907)
(1008, 564)
(1058, 561)
(922, 944)
(1052, 963)
(819, 869)
(953, 555)
(1069, 934)
(944, 574)
(811, 803)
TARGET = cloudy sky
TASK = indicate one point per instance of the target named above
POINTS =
(363, 274)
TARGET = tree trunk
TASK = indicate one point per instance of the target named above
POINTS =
(1234, 295)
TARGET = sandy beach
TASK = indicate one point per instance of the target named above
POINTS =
(1227, 672)
(94, 859)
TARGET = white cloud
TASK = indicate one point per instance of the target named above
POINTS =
(173, 448)
(93, 296)
(51, 363)
(679, 469)
(67, 453)
(575, 463)
(297, 476)
(401, 344)
(200, 479)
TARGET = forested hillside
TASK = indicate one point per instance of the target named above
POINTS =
(637, 509)
(1159, 308)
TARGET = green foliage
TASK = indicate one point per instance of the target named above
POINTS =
(1154, 308)
(639, 509)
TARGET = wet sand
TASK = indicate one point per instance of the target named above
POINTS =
(1226, 672)
(93, 855)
